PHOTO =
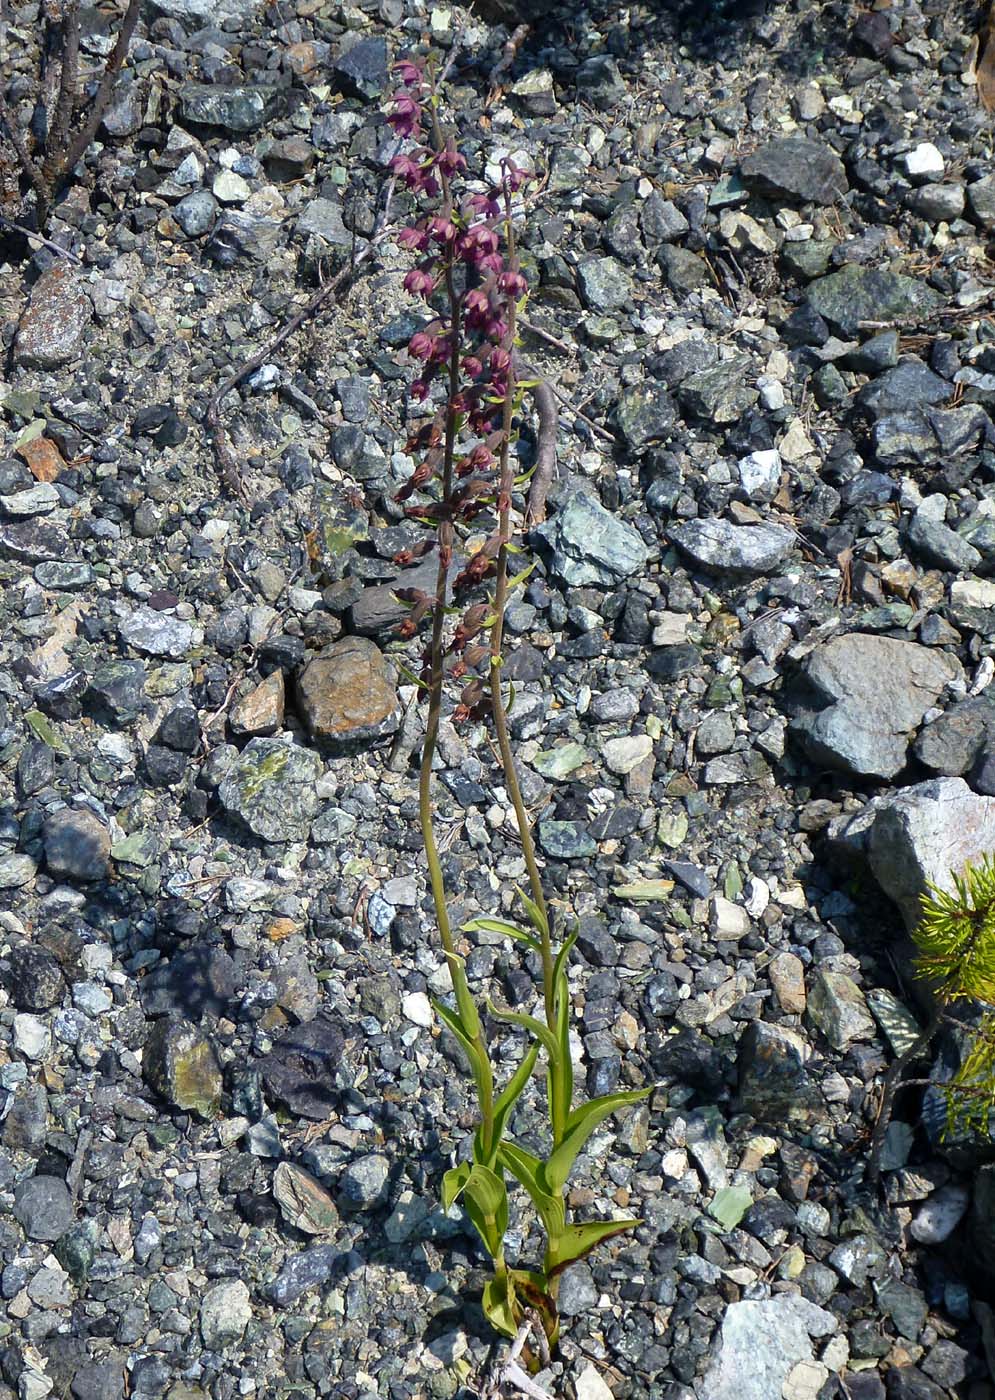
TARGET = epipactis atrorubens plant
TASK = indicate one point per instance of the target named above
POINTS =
(469, 276)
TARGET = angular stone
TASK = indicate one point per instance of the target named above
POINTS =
(950, 745)
(590, 546)
(362, 70)
(720, 394)
(238, 109)
(158, 633)
(793, 167)
(836, 1006)
(759, 1345)
(645, 414)
(52, 325)
(787, 977)
(225, 1312)
(347, 694)
(866, 727)
(179, 1063)
(566, 840)
(261, 711)
(44, 1207)
(721, 545)
(774, 1083)
(856, 294)
(300, 1069)
(925, 833)
(604, 284)
(196, 981)
(77, 844)
(303, 1201)
(272, 787)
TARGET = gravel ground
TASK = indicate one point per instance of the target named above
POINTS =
(754, 660)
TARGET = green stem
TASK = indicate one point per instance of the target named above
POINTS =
(558, 1110)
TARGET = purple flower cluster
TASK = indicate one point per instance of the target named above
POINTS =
(471, 287)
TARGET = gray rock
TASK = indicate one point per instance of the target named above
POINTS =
(196, 213)
(645, 414)
(684, 270)
(661, 220)
(578, 1292)
(272, 788)
(604, 284)
(300, 1069)
(234, 108)
(566, 840)
(837, 1008)
(52, 325)
(347, 694)
(905, 439)
(792, 167)
(924, 833)
(774, 1082)
(599, 81)
(17, 869)
(63, 576)
(199, 13)
(856, 294)
(363, 1184)
(157, 633)
(937, 202)
(196, 981)
(361, 71)
(225, 1312)
(77, 844)
(981, 201)
(308, 1269)
(866, 727)
(720, 394)
(117, 690)
(589, 546)
(179, 1063)
(323, 218)
(937, 544)
(759, 1344)
(44, 1207)
(950, 745)
(723, 546)
(99, 1380)
(911, 384)
(241, 235)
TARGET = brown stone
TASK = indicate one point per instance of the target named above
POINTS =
(44, 460)
(347, 695)
(261, 711)
(787, 977)
(52, 325)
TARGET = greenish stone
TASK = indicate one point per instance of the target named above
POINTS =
(856, 294)
(179, 1063)
(885, 618)
(727, 192)
(272, 788)
(601, 330)
(140, 848)
(732, 884)
(729, 1205)
(672, 828)
(561, 762)
(77, 1248)
(566, 840)
(809, 259)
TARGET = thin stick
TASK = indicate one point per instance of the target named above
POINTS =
(38, 238)
(57, 141)
(228, 467)
(105, 91)
(508, 55)
(545, 466)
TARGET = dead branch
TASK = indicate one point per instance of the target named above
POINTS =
(545, 466)
(48, 165)
(508, 55)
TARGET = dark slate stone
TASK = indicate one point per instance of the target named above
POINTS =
(44, 1207)
(180, 730)
(34, 981)
(793, 167)
(117, 691)
(855, 294)
(300, 1069)
(362, 70)
(911, 384)
(670, 663)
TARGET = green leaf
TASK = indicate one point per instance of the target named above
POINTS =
(499, 1307)
(512, 1091)
(453, 1183)
(521, 577)
(479, 1068)
(485, 924)
(527, 1171)
(561, 1075)
(534, 1027)
(644, 890)
(580, 1125)
(408, 674)
(574, 1241)
(537, 918)
(469, 1014)
(485, 1200)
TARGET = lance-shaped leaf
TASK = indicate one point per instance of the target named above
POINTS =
(485, 1200)
(512, 1091)
(499, 1306)
(532, 1289)
(561, 1075)
(485, 924)
(574, 1241)
(534, 1027)
(469, 1015)
(580, 1125)
(479, 1067)
(453, 1183)
(537, 918)
(527, 1170)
